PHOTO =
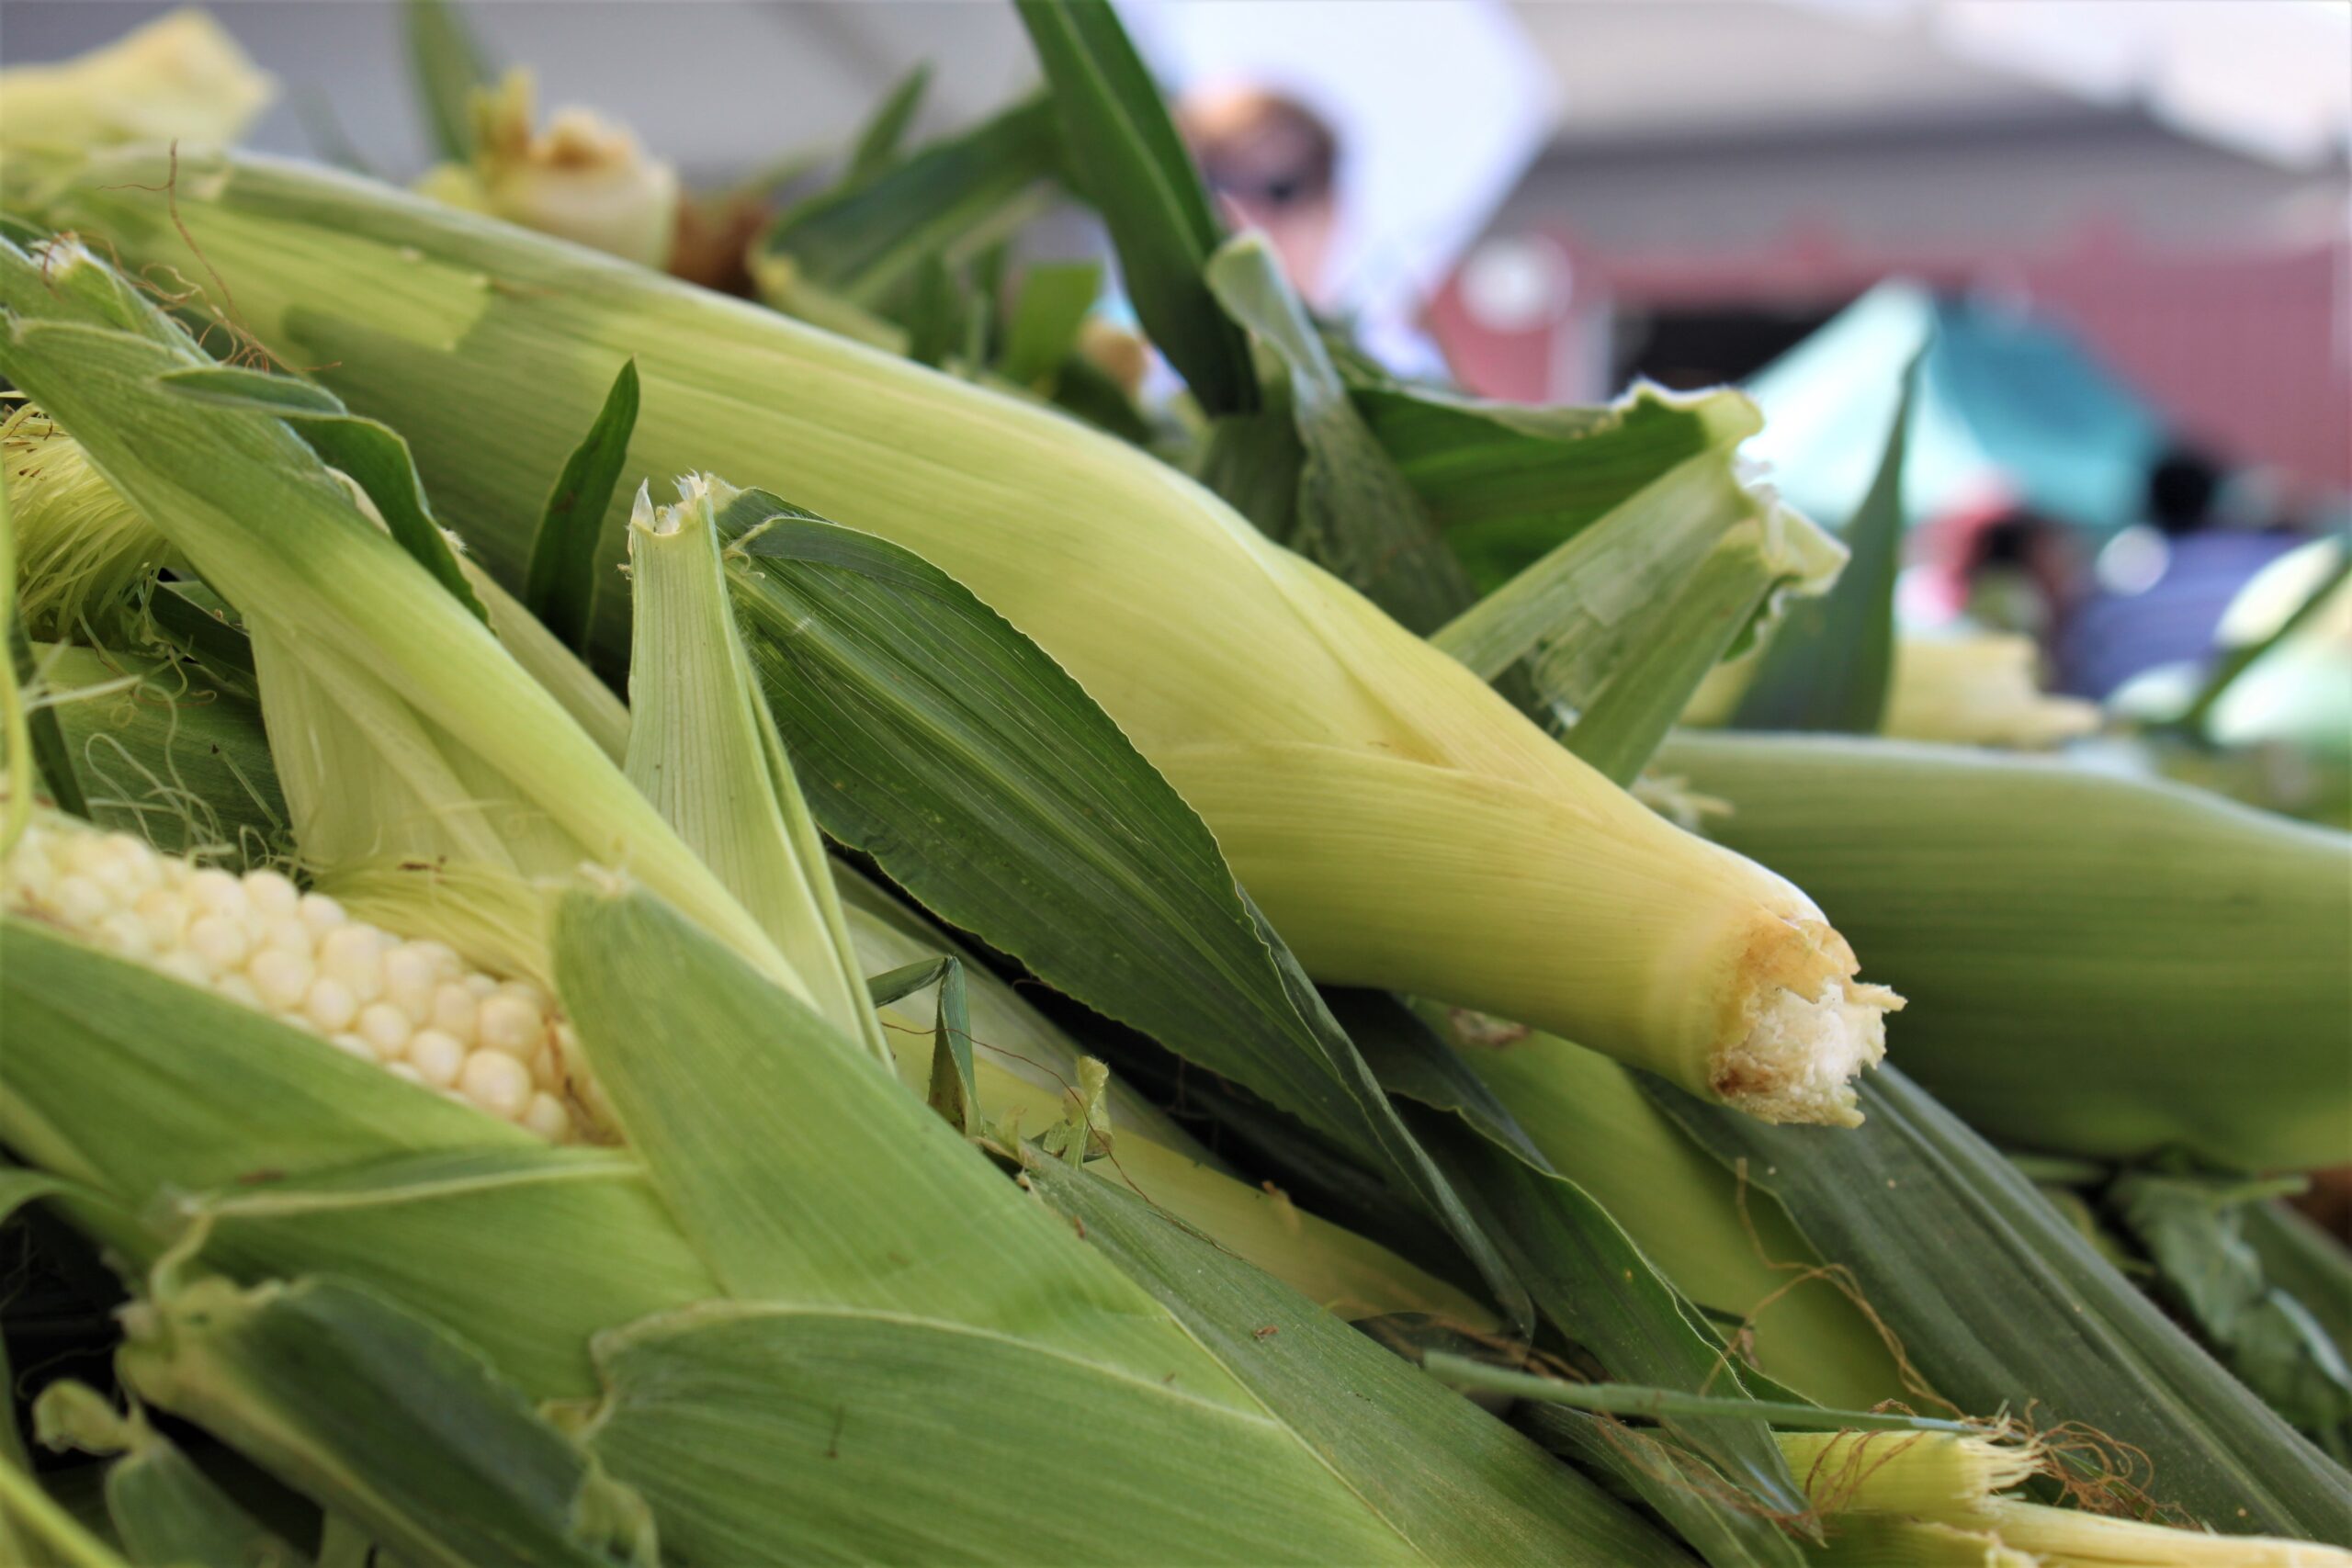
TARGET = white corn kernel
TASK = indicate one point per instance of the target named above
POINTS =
(220, 940)
(330, 1004)
(271, 896)
(385, 1027)
(497, 1083)
(215, 892)
(320, 913)
(281, 978)
(127, 934)
(455, 1009)
(511, 1025)
(81, 900)
(545, 1116)
(437, 1059)
(164, 913)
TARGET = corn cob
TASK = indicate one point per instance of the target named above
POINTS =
(414, 1007)
(2104, 965)
(1400, 824)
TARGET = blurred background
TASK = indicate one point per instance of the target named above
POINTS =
(2112, 232)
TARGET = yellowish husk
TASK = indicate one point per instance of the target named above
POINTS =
(581, 178)
(1399, 822)
(180, 77)
(1967, 689)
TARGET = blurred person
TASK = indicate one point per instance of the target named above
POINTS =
(1272, 164)
(2163, 584)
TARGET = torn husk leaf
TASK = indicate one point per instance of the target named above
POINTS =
(1939, 1473)
(702, 749)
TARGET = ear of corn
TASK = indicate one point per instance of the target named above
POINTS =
(180, 77)
(2082, 949)
(1026, 1066)
(1981, 689)
(1722, 977)
(581, 178)
(456, 728)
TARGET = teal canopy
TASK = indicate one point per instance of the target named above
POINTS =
(2009, 407)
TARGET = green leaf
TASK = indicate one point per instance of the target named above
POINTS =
(2236, 660)
(1459, 1484)
(1356, 514)
(447, 63)
(935, 737)
(1831, 663)
(878, 144)
(1253, 461)
(2194, 1228)
(936, 313)
(163, 1508)
(1590, 1283)
(155, 1084)
(40, 1532)
(1125, 158)
(923, 1363)
(382, 1416)
(373, 453)
(1666, 1404)
(1725, 1533)
(862, 241)
(167, 757)
(953, 1094)
(2308, 1263)
(2001, 1303)
(53, 757)
(559, 584)
(1508, 484)
(1729, 595)
(1055, 298)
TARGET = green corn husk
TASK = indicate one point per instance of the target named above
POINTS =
(2098, 965)
(1396, 820)
(2066, 1538)
(1979, 690)
(181, 75)
(1684, 1210)
(1877, 1540)
(788, 1245)
(1941, 1474)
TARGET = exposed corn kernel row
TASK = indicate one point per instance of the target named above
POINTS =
(414, 1007)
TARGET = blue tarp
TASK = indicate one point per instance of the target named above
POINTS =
(2009, 405)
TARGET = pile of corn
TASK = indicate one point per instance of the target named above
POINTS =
(521, 1135)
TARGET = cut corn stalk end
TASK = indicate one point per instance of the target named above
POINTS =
(1805, 1028)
